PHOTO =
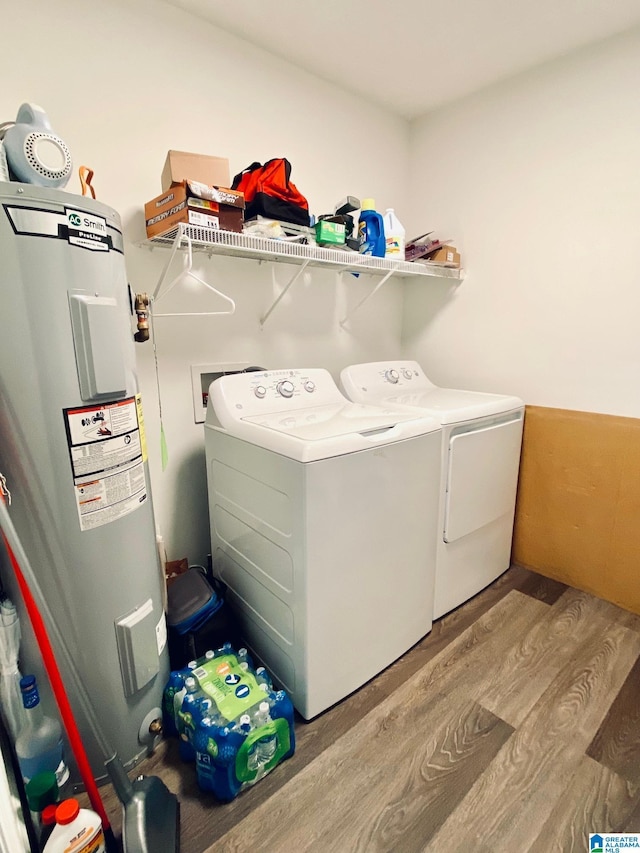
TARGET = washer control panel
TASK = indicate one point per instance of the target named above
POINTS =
(260, 392)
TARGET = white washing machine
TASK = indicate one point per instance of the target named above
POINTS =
(312, 503)
(481, 442)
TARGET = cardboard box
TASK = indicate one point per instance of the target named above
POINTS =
(448, 256)
(195, 204)
(182, 166)
(329, 233)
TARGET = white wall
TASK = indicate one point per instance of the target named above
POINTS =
(125, 81)
(537, 181)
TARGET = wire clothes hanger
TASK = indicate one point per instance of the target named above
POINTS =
(187, 272)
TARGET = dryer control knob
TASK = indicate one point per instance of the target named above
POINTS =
(309, 386)
(285, 388)
(407, 374)
(260, 391)
(392, 376)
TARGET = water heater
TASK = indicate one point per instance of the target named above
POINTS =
(73, 451)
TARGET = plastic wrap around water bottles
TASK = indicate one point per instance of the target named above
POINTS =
(229, 720)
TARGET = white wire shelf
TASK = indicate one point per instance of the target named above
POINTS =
(230, 243)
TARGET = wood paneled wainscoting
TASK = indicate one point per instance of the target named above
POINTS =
(578, 509)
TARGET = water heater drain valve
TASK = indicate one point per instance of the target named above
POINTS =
(151, 728)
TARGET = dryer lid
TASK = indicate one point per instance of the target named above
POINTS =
(452, 406)
(403, 383)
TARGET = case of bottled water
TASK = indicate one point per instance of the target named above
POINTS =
(229, 720)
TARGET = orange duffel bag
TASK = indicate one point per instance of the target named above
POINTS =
(268, 191)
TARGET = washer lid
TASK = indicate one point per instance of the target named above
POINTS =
(337, 419)
(302, 414)
(403, 383)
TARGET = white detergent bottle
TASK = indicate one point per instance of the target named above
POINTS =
(394, 236)
(78, 830)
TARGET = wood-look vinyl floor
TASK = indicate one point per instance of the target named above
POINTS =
(513, 726)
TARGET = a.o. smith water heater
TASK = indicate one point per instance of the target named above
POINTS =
(73, 451)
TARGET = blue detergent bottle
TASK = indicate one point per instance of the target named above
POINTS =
(371, 230)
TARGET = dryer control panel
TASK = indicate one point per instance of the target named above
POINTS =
(383, 378)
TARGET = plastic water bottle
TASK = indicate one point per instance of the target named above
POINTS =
(175, 685)
(394, 235)
(76, 829)
(266, 749)
(179, 695)
(371, 230)
(246, 727)
(39, 744)
(185, 722)
(266, 746)
(263, 678)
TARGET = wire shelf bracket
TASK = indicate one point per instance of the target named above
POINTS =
(292, 280)
(366, 298)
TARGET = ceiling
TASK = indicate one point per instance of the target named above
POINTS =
(411, 56)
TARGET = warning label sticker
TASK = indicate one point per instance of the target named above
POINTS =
(107, 460)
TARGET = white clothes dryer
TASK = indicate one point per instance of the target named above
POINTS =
(481, 443)
(312, 504)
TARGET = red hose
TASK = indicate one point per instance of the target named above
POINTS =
(57, 685)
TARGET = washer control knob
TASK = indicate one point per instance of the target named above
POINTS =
(260, 391)
(285, 388)
(309, 386)
(392, 376)
(407, 373)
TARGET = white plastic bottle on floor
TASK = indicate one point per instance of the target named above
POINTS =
(394, 234)
(79, 830)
